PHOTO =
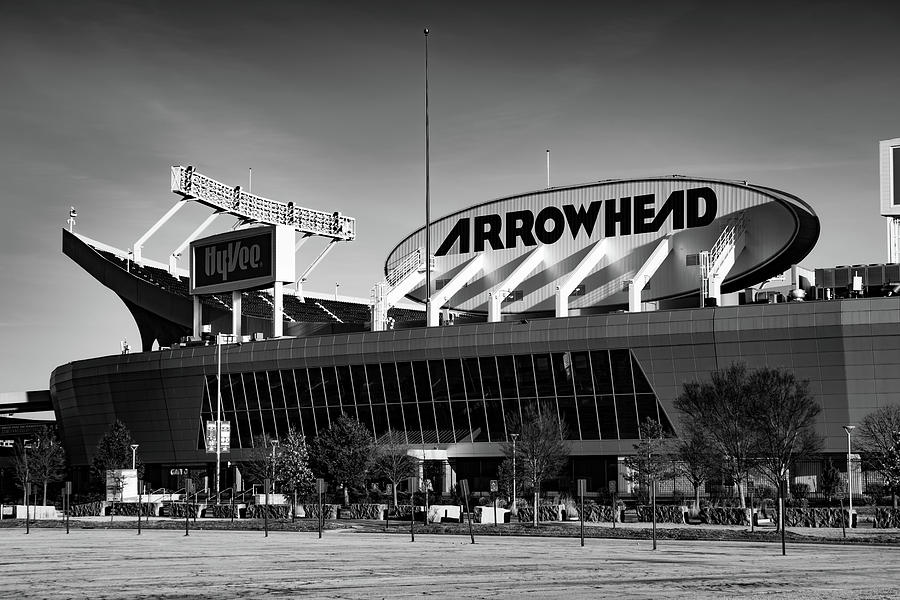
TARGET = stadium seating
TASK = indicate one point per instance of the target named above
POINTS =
(261, 304)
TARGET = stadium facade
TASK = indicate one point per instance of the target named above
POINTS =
(590, 309)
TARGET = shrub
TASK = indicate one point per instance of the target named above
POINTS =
(799, 491)
(87, 509)
(272, 511)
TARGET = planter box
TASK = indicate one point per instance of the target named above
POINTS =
(485, 514)
(36, 513)
(437, 513)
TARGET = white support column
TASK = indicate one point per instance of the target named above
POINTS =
(198, 316)
(496, 296)
(893, 228)
(236, 315)
(656, 259)
(454, 285)
(176, 253)
(138, 245)
(278, 310)
(568, 285)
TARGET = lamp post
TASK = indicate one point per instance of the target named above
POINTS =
(848, 429)
(218, 411)
(134, 448)
(514, 511)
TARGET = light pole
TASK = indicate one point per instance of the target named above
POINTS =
(219, 341)
(274, 446)
(513, 509)
(134, 448)
(848, 429)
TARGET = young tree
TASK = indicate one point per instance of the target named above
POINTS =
(114, 452)
(293, 465)
(719, 409)
(262, 461)
(650, 462)
(782, 415)
(46, 459)
(695, 460)
(392, 462)
(830, 481)
(344, 452)
(505, 478)
(541, 448)
(879, 441)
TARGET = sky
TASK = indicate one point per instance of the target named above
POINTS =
(325, 102)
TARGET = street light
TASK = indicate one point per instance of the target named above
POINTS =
(513, 510)
(848, 429)
(134, 448)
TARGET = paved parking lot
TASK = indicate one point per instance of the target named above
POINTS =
(98, 563)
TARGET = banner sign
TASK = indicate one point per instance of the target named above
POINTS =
(224, 440)
(245, 259)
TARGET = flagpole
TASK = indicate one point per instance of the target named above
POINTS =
(427, 197)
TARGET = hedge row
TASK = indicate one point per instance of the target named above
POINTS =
(664, 513)
(312, 510)
(271, 511)
(130, 509)
(814, 517)
(724, 516)
(221, 511)
(87, 509)
(886, 517)
(177, 509)
(546, 512)
(367, 511)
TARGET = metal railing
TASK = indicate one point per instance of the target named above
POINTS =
(190, 184)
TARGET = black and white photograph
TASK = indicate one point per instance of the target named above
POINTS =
(420, 299)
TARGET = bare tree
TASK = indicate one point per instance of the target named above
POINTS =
(113, 451)
(719, 408)
(541, 448)
(782, 415)
(879, 441)
(46, 459)
(695, 460)
(391, 460)
(651, 462)
(262, 461)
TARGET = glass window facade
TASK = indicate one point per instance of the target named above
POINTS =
(602, 394)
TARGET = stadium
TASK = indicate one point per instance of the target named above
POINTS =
(599, 299)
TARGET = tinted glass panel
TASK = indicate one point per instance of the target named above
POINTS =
(316, 387)
(262, 387)
(445, 424)
(626, 412)
(256, 426)
(289, 386)
(322, 421)
(525, 377)
(495, 420)
(478, 421)
(395, 419)
(413, 424)
(375, 385)
(389, 378)
(426, 414)
(249, 383)
(329, 377)
(335, 412)
(621, 369)
(507, 371)
(455, 379)
(309, 423)
(606, 410)
(302, 380)
(490, 383)
(345, 385)
(646, 405)
(422, 382)
(438, 380)
(364, 412)
(276, 389)
(587, 416)
(461, 421)
(269, 427)
(360, 384)
(380, 419)
(407, 385)
(562, 374)
(581, 371)
(602, 375)
(472, 378)
(568, 414)
(543, 372)
(641, 385)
